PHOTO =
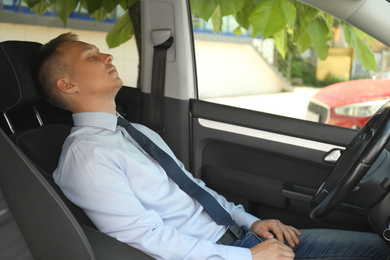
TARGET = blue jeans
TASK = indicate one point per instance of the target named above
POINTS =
(330, 244)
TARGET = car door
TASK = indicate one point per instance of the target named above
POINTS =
(271, 164)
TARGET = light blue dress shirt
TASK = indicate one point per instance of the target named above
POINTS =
(128, 195)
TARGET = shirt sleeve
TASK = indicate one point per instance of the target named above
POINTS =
(92, 177)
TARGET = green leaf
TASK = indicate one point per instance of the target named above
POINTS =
(93, 5)
(31, 3)
(269, 17)
(83, 5)
(131, 2)
(230, 6)
(100, 14)
(364, 36)
(310, 14)
(125, 4)
(280, 39)
(64, 8)
(329, 22)
(318, 31)
(305, 16)
(254, 32)
(266, 18)
(243, 14)
(41, 8)
(121, 32)
(237, 31)
(289, 11)
(216, 19)
(205, 9)
(362, 51)
(303, 39)
(109, 5)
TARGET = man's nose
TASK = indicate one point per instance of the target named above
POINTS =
(108, 58)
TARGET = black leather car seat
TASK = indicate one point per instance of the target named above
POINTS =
(36, 223)
(38, 130)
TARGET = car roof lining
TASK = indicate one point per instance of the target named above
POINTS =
(375, 14)
(342, 9)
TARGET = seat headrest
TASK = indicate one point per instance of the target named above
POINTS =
(17, 84)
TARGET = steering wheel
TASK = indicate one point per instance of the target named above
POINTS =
(354, 163)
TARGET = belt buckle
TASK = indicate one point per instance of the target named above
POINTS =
(236, 230)
(232, 234)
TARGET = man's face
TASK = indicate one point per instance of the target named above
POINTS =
(91, 71)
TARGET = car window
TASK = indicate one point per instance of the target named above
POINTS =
(248, 72)
(18, 22)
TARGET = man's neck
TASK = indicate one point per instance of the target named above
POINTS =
(98, 107)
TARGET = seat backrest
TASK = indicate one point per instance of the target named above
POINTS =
(12, 243)
(36, 224)
(20, 103)
(36, 127)
(48, 227)
(17, 61)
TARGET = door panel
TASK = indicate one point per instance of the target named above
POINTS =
(271, 164)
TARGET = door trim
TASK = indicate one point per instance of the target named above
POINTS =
(280, 138)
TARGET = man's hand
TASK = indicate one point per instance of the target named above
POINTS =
(272, 249)
(264, 228)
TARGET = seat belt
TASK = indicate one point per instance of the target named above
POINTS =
(163, 41)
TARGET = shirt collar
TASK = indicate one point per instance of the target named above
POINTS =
(96, 119)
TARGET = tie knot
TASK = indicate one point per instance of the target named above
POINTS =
(122, 122)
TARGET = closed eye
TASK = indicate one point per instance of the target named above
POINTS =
(90, 50)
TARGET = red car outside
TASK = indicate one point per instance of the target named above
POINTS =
(349, 104)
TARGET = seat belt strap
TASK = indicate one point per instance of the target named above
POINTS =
(156, 107)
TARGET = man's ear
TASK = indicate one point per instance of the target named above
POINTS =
(65, 86)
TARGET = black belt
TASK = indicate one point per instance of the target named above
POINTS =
(233, 233)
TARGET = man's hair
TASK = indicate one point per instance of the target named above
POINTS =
(50, 67)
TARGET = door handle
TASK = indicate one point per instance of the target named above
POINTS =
(332, 156)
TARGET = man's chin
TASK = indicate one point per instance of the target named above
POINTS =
(120, 83)
(119, 86)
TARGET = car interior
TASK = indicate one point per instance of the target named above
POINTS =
(272, 165)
